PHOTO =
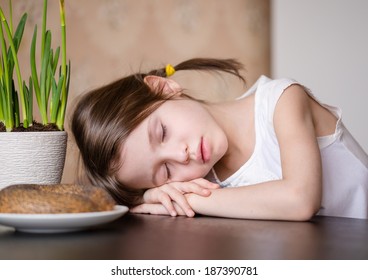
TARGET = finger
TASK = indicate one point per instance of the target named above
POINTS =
(181, 212)
(193, 187)
(166, 200)
(146, 208)
(199, 186)
(205, 183)
(154, 209)
(180, 200)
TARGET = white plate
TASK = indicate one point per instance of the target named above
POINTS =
(55, 223)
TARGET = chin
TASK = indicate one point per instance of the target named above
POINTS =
(206, 171)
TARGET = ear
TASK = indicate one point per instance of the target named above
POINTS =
(167, 86)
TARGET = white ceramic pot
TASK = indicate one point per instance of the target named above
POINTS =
(32, 157)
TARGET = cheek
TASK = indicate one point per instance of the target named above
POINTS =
(191, 172)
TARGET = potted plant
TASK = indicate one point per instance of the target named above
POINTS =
(30, 151)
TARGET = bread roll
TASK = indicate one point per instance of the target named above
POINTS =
(52, 199)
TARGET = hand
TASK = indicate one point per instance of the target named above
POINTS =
(157, 209)
(167, 194)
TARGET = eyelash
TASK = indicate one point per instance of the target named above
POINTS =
(164, 131)
(168, 172)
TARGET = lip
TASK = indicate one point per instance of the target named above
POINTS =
(199, 151)
(203, 151)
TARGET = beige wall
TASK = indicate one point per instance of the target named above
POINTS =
(328, 53)
(111, 38)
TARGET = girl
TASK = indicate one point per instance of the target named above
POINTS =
(274, 153)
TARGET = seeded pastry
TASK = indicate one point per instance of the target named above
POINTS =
(51, 199)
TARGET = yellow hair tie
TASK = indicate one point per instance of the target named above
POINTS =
(170, 70)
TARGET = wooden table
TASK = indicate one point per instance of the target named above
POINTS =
(138, 237)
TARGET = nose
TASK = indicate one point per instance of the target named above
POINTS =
(177, 153)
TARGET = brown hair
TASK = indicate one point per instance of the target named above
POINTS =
(104, 117)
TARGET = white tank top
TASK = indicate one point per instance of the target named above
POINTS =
(344, 162)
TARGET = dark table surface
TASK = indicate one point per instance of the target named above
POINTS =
(138, 237)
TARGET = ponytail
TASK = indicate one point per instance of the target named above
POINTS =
(230, 66)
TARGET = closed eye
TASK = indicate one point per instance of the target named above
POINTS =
(163, 137)
(164, 132)
(168, 173)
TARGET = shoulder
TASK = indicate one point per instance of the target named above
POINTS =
(293, 105)
(269, 92)
(293, 112)
(282, 94)
(283, 108)
(264, 86)
(292, 95)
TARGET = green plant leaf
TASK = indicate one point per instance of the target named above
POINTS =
(9, 119)
(55, 60)
(2, 101)
(29, 99)
(55, 104)
(16, 113)
(42, 83)
(17, 68)
(43, 34)
(34, 68)
(43, 77)
(49, 79)
(19, 32)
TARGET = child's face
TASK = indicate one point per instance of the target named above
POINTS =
(179, 141)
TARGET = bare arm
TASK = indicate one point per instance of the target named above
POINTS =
(297, 196)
